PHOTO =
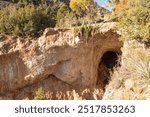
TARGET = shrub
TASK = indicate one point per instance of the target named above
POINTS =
(83, 31)
(40, 94)
(26, 20)
(86, 30)
(132, 79)
(81, 12)
(62, 15)
(135, 23)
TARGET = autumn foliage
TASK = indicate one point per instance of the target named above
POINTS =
(121, 6)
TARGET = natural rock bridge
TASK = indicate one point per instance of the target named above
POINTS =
(59, 53)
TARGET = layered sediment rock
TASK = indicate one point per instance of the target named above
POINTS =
(58, 52)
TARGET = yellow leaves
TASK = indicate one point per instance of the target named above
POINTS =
(76, 4)
(73, 4)
(121, 6)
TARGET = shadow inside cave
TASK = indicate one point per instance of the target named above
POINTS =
(106, 65)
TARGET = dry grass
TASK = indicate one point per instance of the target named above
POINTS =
(82, 94)
(132, 80)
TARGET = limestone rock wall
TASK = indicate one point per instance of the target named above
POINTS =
(57, 52)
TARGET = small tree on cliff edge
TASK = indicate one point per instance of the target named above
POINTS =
(135, 23)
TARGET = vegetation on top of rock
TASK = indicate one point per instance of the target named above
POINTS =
(87, 10)
(27, 20)
(31, 17)
(135, 22)
(65, 17)
(86, 31)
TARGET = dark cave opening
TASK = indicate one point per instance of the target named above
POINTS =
(108, 61)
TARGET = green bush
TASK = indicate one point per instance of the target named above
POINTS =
(135, 22)
(65, 17)
(62, 13)
(28, 20)
(86, 31)
(40, 94)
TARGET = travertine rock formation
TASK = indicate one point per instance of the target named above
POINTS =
(58, 53)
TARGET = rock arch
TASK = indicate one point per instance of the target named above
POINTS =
(58, 53)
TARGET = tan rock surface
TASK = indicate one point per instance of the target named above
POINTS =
(57, 52)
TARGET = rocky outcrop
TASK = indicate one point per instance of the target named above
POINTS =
(131, 80)
(58, 52)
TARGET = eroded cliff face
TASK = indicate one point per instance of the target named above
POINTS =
(58, 53)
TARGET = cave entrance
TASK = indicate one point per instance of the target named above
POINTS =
(108, 61)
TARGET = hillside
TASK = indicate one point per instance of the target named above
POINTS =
(80, 51)
(57, 61)
(131, 81)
